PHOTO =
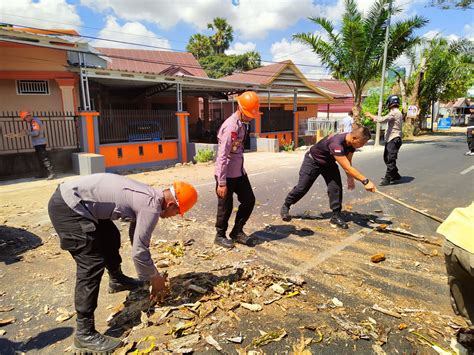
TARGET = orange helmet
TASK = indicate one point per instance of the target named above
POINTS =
(249, 104)
(186, 196)
(24, 114)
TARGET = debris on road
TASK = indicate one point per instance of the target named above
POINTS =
(6, 321)
(268, 337)
(377, 308)
(211, 341)
(377, 258)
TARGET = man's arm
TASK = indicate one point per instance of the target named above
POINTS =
(350, 179)
(378, 119)
(222, 159)
(353, 172)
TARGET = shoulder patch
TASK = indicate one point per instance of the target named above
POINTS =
(233, 135)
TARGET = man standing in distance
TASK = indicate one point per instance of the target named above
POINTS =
(321, 160)
(230, 173)
(393, 138)
(36, 131)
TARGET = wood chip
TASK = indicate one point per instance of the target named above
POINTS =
(6, 308)
(211, 341)
(7, 321)
(277, 289)
(177, 345)
(251, 307)
(197, 289)
(377, 308)
(377, 258)
(236, 340)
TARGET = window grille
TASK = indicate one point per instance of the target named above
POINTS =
(32, 87)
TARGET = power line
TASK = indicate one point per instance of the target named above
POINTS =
(150, 46)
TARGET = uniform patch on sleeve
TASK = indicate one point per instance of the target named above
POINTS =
(337, 150)
(233, 135)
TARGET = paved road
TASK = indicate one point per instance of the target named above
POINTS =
(436, 177)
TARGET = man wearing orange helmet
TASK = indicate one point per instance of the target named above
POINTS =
(36, 132)
(82, 213)
(230, 173)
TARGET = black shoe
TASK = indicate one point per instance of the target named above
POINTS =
(337, 221)
(465, 337)
(222, 241)
(87, 340)
(396, 177)
(242, 238)
(285, 213)
(119, 282)
(385, 182)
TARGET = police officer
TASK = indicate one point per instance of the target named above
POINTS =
(82, 212)
(36, 132)
(230, 173)
(393, 138)
(321, 160)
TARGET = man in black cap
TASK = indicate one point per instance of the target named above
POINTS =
(321, 160)
(393, 138)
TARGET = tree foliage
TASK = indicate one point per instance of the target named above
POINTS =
(209, 50)
(453, 4)
(449, 72)
(223, 36)
(199, 45)
(217, 66)
(355, 52)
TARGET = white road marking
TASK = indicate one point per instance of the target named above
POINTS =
(467, 170)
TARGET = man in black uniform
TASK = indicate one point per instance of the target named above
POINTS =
(321, 160)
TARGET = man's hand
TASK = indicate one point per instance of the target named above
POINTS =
(350, 183)
(221, 191)
(369, 115)
(370, 186)
(158, 288)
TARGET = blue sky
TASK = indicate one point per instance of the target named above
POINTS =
(263, 25)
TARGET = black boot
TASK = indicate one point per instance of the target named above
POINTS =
(88, 340)
(385, 181)
(285, 213)
(242, 238)
(222, 241)
(337, 221)
(120, 282)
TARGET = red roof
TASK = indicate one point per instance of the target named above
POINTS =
(262, 75)
(152, 62)
(336, 88)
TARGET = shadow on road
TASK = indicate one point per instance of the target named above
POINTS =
(14, 242)
(278, 232)
(38, 342)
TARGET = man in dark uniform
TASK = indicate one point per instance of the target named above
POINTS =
(82, 213)
(470, 132)
(321, 160)
(230, 173)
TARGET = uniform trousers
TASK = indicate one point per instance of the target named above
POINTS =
(309, 172)
(94, 247)
(43, 159)
(242, 188)
(390, 156)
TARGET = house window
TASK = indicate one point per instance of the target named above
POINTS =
(32, 87)
(302, 108)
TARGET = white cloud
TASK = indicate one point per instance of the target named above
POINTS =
(41, 14)
(251, 18)
(133, 32)
(437, 33)
(469, 31)
(299, 53)
(241, 48)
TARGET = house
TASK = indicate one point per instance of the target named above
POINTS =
(457, 109)
(34, 75)
(343, 98)
(282, 112)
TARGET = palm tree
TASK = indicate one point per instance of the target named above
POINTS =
(252, 60)
(224, 35)
(355, 53)
(199, 45)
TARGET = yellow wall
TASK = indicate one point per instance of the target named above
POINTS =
(10, 101)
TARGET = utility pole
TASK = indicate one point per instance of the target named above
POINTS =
(379, 113)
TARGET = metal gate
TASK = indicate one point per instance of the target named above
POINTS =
(61, 131)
